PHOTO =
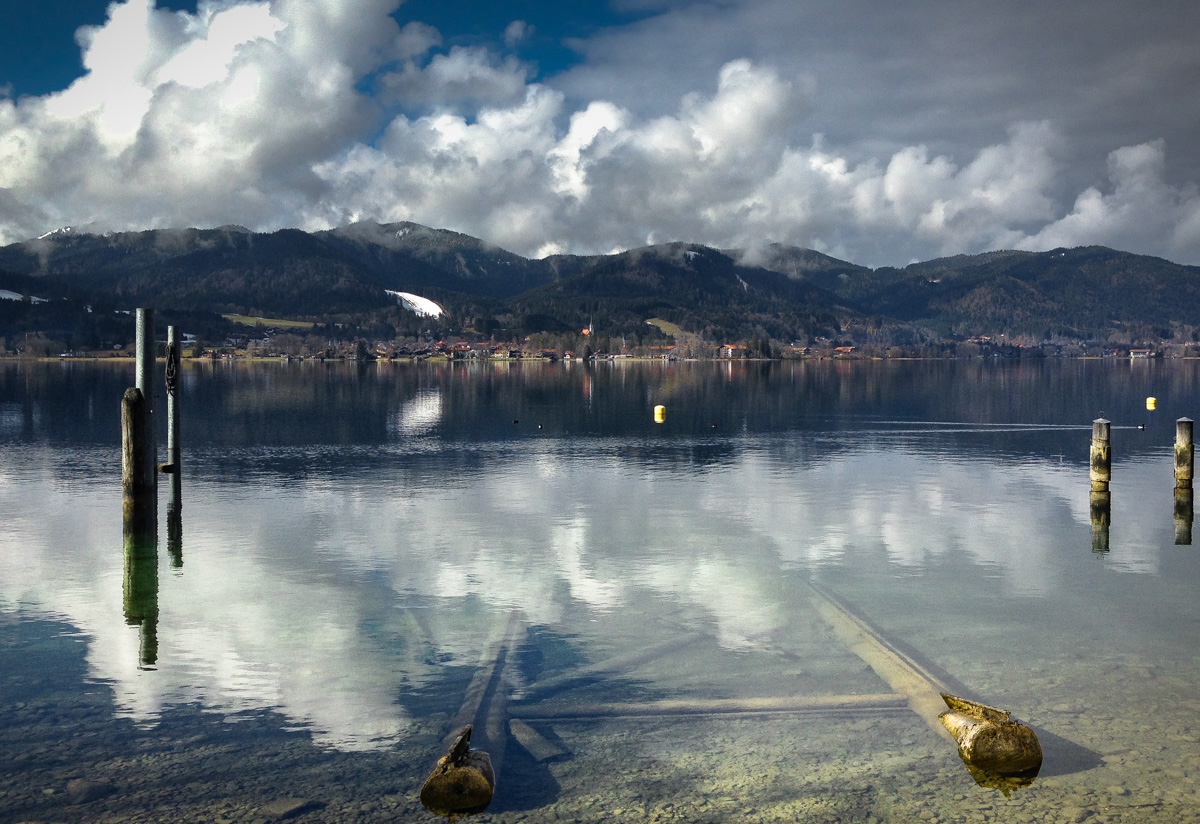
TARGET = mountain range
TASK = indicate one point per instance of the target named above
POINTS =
(779, 292)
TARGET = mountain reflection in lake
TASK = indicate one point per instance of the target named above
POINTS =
(356, 538)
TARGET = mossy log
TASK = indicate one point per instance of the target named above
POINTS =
(990, 741)
(462, 782)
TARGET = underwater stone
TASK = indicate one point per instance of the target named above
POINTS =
(83, 791)
(288, 807)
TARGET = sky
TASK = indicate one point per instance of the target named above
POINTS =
(877, 133)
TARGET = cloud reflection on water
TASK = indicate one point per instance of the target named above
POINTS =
(289, 597)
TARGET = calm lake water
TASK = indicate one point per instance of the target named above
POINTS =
(360, 542)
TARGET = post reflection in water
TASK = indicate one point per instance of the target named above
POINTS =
(1101, 517)
(140, 581)
(1100, 507)
(1183, 517)
(175, 524)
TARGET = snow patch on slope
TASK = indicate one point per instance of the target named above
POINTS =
(424, 307)
(7, 295)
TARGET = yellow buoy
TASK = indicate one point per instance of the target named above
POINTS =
(1151, 403)
(660, 413)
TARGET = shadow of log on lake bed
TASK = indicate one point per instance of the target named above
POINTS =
(1063, 757)
(528, 783)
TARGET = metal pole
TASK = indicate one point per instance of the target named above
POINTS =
(172, 384)
(145, 382)
(175, 501)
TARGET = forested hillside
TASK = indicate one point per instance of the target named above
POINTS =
(775, 292)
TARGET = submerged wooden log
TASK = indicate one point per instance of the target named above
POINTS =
(472, 707)
(464, 779)
(618, 664)
(998, 751)
(485, 704)
(539, 747)
(462, 782)
(922, 689)
(566, 711)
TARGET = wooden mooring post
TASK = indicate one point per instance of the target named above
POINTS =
(1100, 501)
(1185, 461)
(1185, 453)
(1101, 455)
(135, 482)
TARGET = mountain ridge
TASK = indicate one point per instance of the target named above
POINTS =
(772, 291)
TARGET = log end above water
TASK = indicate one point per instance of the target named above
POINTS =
(998, 751)
(462, 782)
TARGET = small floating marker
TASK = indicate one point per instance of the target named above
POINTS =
(1151, 403)
(539, 426)
(660, 413)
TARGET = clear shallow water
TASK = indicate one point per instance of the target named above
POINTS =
(355, 537)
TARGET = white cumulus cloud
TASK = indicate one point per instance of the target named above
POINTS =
(312, 114)
(1139, 210)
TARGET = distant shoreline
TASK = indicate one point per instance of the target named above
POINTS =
(122, 359)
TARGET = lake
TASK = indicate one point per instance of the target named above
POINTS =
(361, 547)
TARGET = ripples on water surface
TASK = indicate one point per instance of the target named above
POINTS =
(355, 540)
